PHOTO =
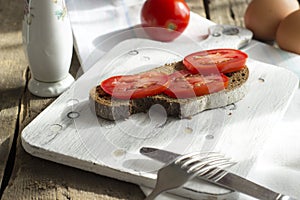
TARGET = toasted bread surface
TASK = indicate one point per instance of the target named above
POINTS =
(110, 108)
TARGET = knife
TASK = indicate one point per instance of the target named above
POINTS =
(229, 180)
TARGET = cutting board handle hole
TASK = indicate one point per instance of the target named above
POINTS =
(73, 115)
(56, 127)
(209, 137)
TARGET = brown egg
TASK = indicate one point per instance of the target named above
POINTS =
(262, 17)
(288, 33)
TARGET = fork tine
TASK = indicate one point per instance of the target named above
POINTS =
(218, 173)
(215, 174)
(193, 154)
(207, 165)
(210, 161)
(197, 156)
(198, 160)
(206, 169)
(202, 159)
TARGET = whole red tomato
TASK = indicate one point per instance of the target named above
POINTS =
(165, 20)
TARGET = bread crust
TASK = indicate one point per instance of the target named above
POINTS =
(115, 109)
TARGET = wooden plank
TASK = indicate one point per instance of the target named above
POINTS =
(13, 66)
(238, 9)
(34, 178)
(228, 11)
(197, 6)
(219, 12)
(41, 179)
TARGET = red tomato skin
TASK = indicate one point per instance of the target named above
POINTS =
(236, 62)
(127, 90)
(180, 89)
(165, 20)
(187, 87)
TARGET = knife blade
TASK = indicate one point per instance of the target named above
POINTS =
(229, 180)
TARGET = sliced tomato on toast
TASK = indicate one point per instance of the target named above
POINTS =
(184, 84)
(135, 86)
(215, 61)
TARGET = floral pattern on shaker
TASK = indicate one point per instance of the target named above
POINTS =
(26, 7)
(27, 14)
(61, 13)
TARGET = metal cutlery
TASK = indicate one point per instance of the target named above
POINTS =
(187, 167)
(216, 175)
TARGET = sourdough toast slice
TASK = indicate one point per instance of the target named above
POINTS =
(110, 108)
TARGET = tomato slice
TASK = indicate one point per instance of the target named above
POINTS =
(135, 86)
(215, 61)
(183, 84)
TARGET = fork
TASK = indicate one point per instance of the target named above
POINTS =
(185, 168)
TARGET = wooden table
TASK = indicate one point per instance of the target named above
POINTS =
(23, 176)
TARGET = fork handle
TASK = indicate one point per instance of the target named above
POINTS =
(155, 192)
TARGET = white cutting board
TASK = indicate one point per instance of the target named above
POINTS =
(68, 131)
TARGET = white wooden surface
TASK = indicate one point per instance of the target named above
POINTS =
(68, 132)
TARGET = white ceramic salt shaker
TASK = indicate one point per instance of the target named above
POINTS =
(48, 45)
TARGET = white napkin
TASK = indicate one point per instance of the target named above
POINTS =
(278, 166)
(95, 22)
